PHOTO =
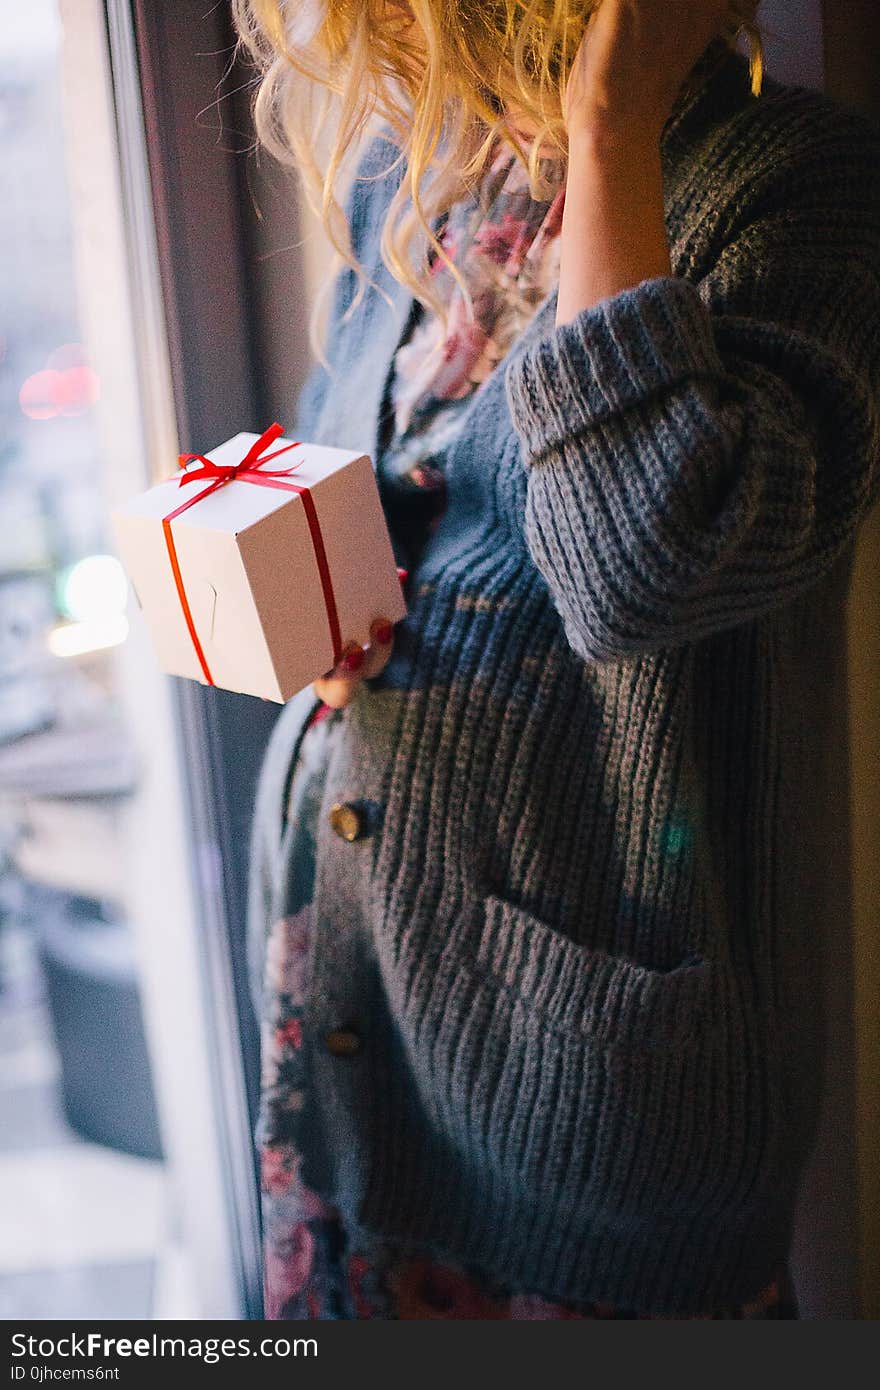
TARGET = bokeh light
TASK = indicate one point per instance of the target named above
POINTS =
(65, 386)
(78, 639)
(93, 589)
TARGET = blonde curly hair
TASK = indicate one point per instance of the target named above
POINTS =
(441, 75)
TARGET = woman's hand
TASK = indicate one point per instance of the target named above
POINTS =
(633, 59)
(338, 686)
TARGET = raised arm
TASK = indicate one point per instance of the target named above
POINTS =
(701, 451)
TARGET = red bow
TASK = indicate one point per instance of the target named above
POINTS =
(250, 467)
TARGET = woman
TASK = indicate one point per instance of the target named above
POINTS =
(540, 872)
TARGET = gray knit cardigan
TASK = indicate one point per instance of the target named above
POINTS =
(579, 941)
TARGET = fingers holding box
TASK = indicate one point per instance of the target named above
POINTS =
(338, 686)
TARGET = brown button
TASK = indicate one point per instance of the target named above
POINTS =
(348, 820)
(343, 1042)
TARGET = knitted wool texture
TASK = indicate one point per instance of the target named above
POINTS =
(582, 940)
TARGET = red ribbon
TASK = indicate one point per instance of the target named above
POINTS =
(251, 469)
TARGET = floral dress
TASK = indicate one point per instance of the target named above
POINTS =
(506, 246)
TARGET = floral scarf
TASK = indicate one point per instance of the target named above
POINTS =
(505, 244)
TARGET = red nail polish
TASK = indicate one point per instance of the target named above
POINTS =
(383, 632)
(320, 713)
(353, 660)
(402, 574)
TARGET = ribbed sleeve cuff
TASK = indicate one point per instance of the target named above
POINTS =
(611, 356)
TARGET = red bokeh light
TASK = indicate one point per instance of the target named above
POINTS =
(75, 390)
(35, 396)
(66, 386)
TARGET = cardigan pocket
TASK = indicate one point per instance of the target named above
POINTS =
(585, 1084)
(588, 992)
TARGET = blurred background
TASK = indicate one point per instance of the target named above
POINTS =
(156, 287)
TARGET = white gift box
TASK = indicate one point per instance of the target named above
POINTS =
(254, 581)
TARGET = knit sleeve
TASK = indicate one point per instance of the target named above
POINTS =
(701, 451)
